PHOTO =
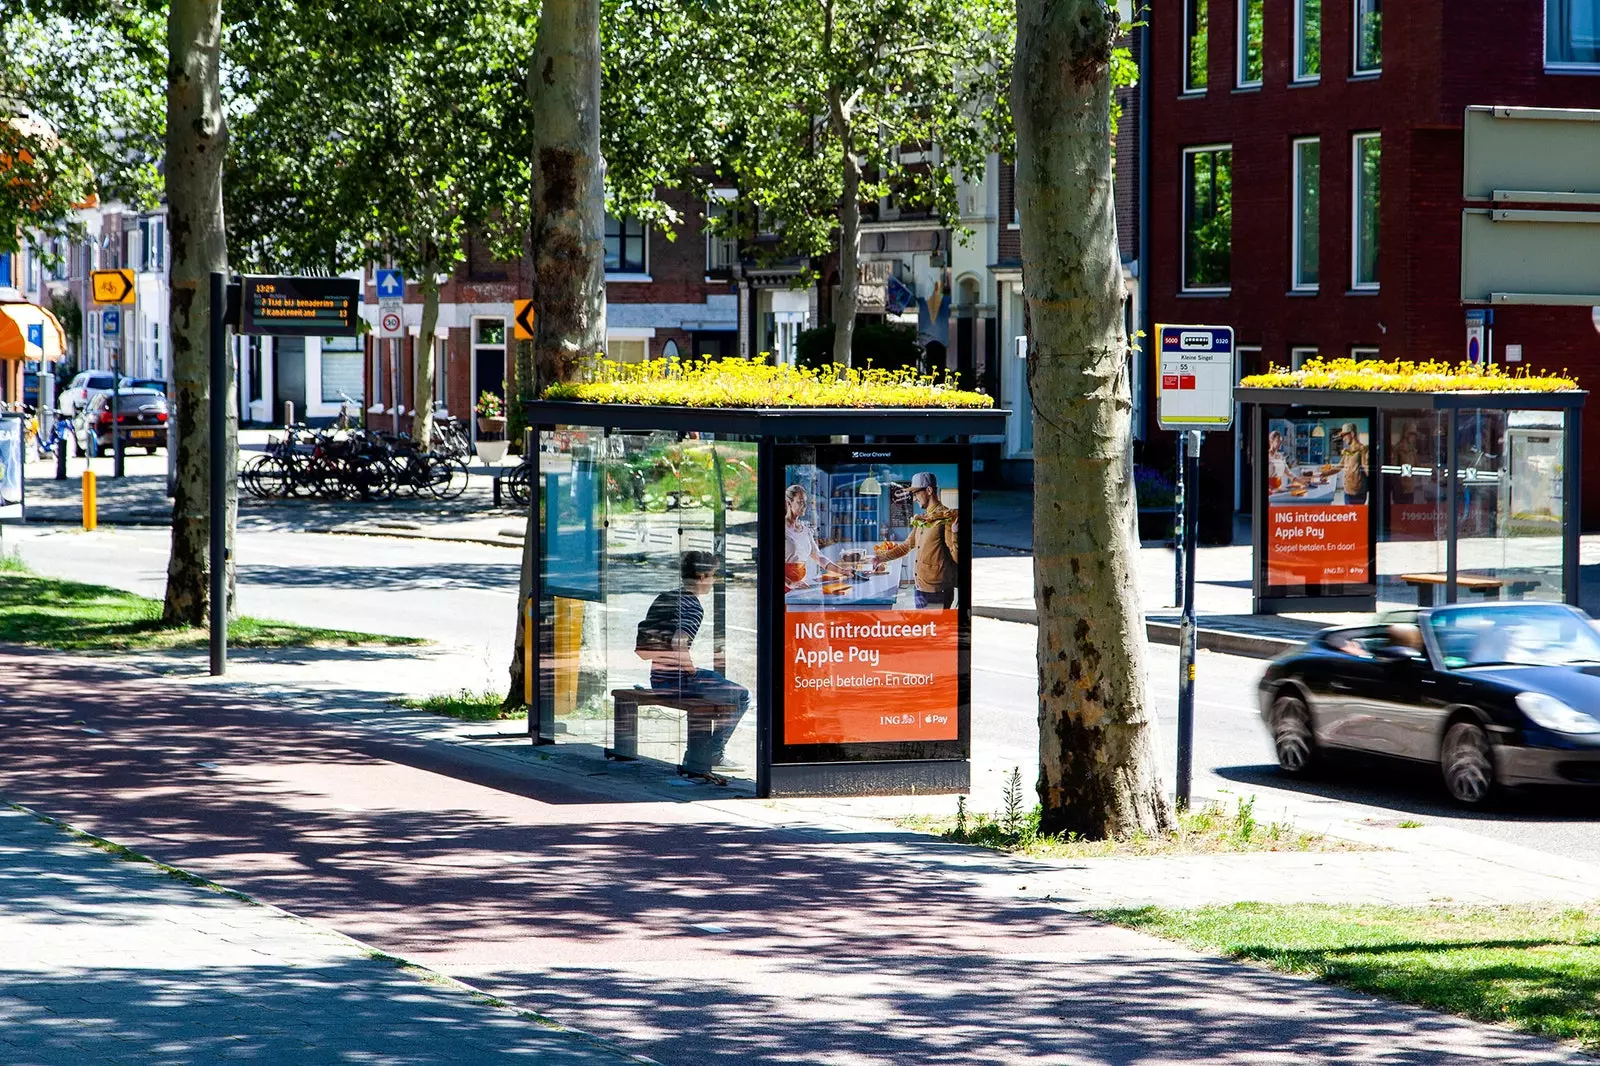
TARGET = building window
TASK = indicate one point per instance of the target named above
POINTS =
(1194, 53)
(341, 371)
(1307, 211)
(253, 360)
(1364, 229)
(441, 375)
(153, 244)
(722, 252)
(1307, 40)
(1298, 357)
(1250, 33)
(627, 349)
(1369, 36)
(488, 357)
(1364, 355)
(1207, 217)
(624, 246)
(1571, 33)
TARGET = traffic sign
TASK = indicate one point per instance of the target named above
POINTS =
(526, 318)
(112, 286)
(391, 284)
(1196, 370)
(36, 334)
(298, 307)
(390, 322)
(111, 322)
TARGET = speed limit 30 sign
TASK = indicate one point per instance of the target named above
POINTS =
(1196, 370)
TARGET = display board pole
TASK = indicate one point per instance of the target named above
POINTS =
(217, 409)
(1187, 636)
(1178, 526)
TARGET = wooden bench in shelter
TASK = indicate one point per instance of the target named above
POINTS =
(1487, 587)
(700, 714)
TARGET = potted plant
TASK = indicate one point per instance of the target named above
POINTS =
(1156, 496)
(491, 414)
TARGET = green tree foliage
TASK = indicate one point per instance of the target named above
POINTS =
(82, 112)
(810, 108)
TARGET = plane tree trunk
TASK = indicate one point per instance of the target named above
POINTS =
(197, 136)
(568, 240)
(423, 364)
(1097, 773)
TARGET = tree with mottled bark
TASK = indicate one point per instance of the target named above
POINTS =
(1097, 756)
(197, 140)
(568, 235)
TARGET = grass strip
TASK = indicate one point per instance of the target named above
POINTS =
(48, 612)
(467, 705)
(1209, 829)
(1536, 968)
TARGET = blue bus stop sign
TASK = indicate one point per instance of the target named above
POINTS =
(111, 322)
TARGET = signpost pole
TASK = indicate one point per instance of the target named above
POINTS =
(1178, 537)
(218, 412)
(1188, 648)
(116, 414)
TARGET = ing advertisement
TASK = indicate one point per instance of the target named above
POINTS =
(1319, 531)
(874, 604)
(11, 459)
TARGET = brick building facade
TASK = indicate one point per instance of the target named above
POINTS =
(1311, 118)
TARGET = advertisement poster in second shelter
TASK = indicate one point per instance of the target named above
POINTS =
(1319, 483)
(872, 600)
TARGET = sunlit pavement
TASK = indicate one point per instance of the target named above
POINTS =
(693, 933)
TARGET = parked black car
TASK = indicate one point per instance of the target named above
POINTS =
(143, 414)
(1493, 694)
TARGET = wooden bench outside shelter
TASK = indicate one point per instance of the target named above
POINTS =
(700, 714)
(1487, 587)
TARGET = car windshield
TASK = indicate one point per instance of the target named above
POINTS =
(1535, 634)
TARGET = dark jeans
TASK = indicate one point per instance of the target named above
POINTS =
(1356, 497)
(708, 742)
(923, 600)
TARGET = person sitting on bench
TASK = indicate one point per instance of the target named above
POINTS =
(665, 636)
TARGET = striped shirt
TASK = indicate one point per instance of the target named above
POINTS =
(672, 613)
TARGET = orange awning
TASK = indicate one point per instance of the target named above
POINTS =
(16, 316)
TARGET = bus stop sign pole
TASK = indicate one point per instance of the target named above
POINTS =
(1196, 370)
(1187, 636)
(218, 412)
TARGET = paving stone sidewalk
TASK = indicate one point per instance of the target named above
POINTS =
(105, 960)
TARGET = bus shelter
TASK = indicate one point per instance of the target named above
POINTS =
(772, 598)
(1368, 499)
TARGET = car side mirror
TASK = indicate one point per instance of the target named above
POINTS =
(1397, 653)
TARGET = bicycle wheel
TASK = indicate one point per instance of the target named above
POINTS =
(447, 478)
(266, 477)
(517, 484)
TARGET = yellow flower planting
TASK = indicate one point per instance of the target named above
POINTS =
(753, 383)
(1434, 376)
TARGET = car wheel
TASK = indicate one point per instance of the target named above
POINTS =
(1293, 739)
(1468, 764)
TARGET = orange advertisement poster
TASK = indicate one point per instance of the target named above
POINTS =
(856, 677)
(1308, 545)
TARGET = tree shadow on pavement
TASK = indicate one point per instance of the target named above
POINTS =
(689, 933)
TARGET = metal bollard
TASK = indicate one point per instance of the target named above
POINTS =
(61, 460)
(288, 413)
(91, 503)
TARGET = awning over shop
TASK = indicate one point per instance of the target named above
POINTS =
(28, 331)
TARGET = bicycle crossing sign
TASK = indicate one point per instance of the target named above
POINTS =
(1196, 370)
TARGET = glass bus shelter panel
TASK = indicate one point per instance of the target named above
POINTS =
(642, 669)
(1415, 530)
(1510, 509)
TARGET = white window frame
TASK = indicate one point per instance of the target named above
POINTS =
(1299, 354)
(1358, 352)
(1356, 139)
(1559, 66)
(1184, 87)
(1183, 225)
(1296, 284)
(1296, 76)
(1242, 45)
(1356, 69)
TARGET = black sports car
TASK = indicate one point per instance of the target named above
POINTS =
(1493, 694)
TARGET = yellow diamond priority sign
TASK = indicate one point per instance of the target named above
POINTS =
(112, 286)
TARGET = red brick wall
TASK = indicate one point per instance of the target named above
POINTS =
(1434, 66)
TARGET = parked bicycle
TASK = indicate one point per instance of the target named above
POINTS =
(350, 464)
